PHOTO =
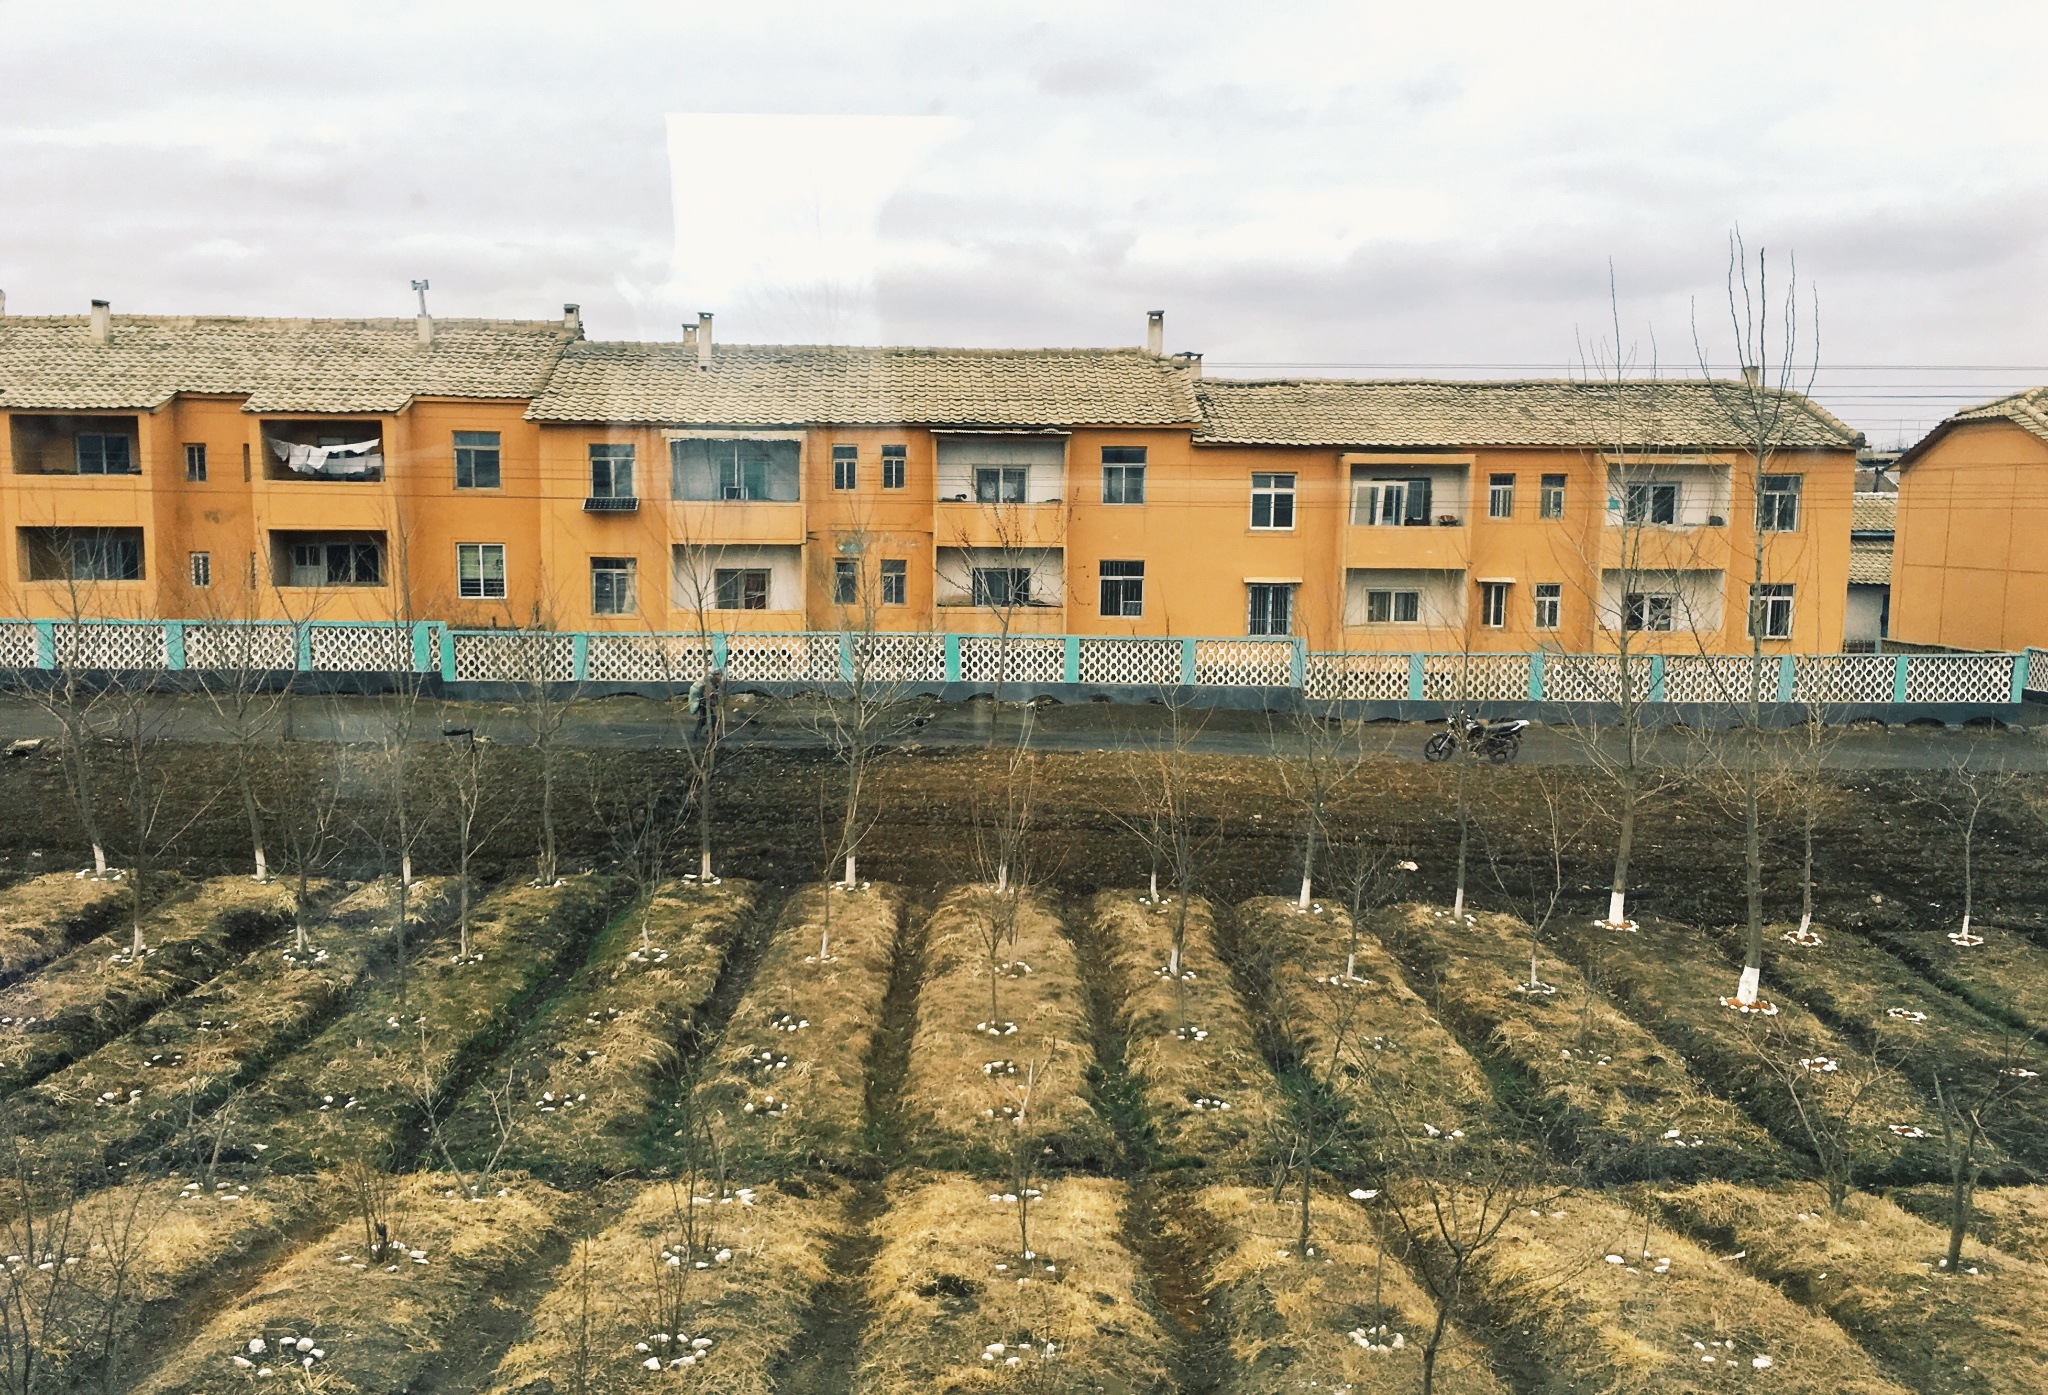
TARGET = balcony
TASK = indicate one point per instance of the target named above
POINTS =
(612, 503)
(965, 523)
(1436, 548)
(702, 523)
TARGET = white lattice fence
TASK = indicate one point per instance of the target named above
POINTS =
(800, 658)
(1475, 677)
(17, 644)
(1358, 677)
(1720, 678)
(1593, 678)
(646, 658)
(512, 656)
(1151, 663)
(1959, 678)
(230, 647)
(2037, 670)
(1018, 659)
(103, 645)
(360, 648)
(900, 658)
(1245, 663)
(1843, 678)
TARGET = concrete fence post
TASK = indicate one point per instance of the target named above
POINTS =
(2019, 674)
(46, 644)
(952, 652)
(1070, 660)
(1788, 677)
(1188, 670)
(174, 645)
(1415, 664)
(1656, 678)
(579, 656)
(303, 644)
(1899, 677)
(1536, 676)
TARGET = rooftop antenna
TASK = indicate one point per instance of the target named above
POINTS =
(421, 287)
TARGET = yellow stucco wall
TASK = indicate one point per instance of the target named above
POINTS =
(1970, 548)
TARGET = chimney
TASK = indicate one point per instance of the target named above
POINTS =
(102, 322)
(3, 302)
(1190, 361)
(424, 322)
(1751, 374)
(1155, 332)
(572, 319)
(703, 338)
(690, 338)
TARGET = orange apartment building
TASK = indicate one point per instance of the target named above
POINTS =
(514, 473)
(1969, 566)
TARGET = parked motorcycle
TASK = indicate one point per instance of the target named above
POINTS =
(1498, 742)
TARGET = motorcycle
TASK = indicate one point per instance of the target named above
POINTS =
(1498, 742)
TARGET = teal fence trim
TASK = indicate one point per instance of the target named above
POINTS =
(1301, 664)
(2020, 662)
(1415, 667)
(1788, 677)
(174, 645)
(1187, 663)
(718, 651)
(952, 648)
(1070, 660)
(579, 657)
(46, 644)
(846, 658)
(447, 655)
(1536, 677)
(302, 646)
(1899, 678)
(1656, 678)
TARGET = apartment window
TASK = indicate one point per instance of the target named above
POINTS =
(741, 588)
(1551, 501)
(1393, 607)
(1493, 604)
(894, 458)
(1650, 503)
(1272, 507)
(1123, 475)
(845, 581)
(1390, 503)
(845, 467)
(82, 554)
(201, 564)
(1123, 589)
(1648, 610)
(611, 584)
(736, 470)
(999, 484)
(476, 460)
(1770, 611)
(1271, 608)
(1500, 496)
(342, 562)
(1002, 586)
(480, 571)
(1549, 601)
(611, 477)
(195, 464)
(1778, 507)
(100, 454)
(895, 571)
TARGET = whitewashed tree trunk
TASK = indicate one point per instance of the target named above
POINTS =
(99, 860)
(1617, 911)
(1303, 903)
(1966, 922)
(1155, 886)
(1351, 964)
(405, 869)
(1173, 962)
(1745, 991)
(262, 867)
(704, 866)
(1458, 905)
(1002, 878)
(850, 882)
(1805, 921)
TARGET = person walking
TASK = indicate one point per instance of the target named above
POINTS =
(705, 695)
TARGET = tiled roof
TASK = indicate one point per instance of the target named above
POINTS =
(2028, 410)
(1640, 414)
(1874, 513)
(50, 362)
(782, 385)
(1870, 562)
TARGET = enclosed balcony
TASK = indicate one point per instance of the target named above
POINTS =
(350, 451)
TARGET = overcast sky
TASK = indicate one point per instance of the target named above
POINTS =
(1356, 188)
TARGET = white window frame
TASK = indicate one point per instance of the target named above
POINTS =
(845, 468)
(1658, 609)
(1778, 503)
(1649, 491)
(1012, 484)
(1278, 497)
(1772, 600)
(1393, 606)
(739, 587)
(195, 462)
(471, 453)
(895, 467)
(629, 568)
(1013, 591)
(200, 565)
(1550, 496)
(1260, 620)
(1500, 496)
(1123, 591)
(1380, 503)
(127, 452)
(611, 455)
(479, 587)
(895, 579)
(1549, 604)
(1493, 604)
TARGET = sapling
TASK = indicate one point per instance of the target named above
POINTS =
(1964, 1109)
(1972, 788)
(1169, 823)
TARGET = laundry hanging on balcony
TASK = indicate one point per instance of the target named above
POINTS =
(362, 460)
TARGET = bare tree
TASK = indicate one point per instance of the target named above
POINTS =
(1973, 784)
(1557, 834)
(1831, 1100)
(1966, 1110)
(1317, 760)
(469, 764)
(1168, 821)
(307, 798)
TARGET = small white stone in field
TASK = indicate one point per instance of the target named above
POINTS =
(1762, 1363)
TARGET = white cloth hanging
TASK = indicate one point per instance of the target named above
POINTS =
(353, 461)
